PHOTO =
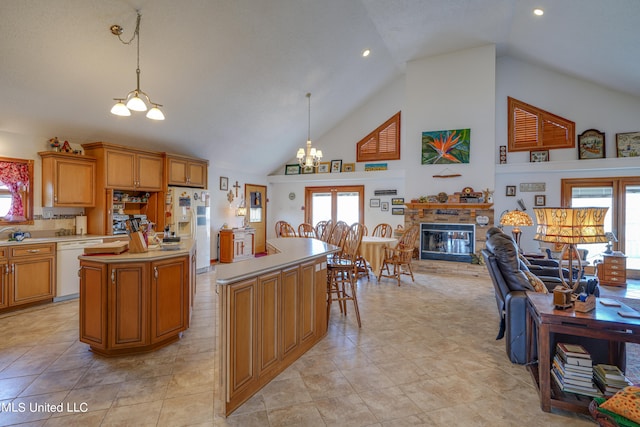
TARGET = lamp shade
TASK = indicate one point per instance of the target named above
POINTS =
(571, 225)
(516, 218)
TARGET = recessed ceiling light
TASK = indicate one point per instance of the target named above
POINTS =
(365, 53)
(538, 12)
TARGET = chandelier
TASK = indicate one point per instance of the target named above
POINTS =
(136, 100)
(312, 157)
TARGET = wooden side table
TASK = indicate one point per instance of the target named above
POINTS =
(612, 271)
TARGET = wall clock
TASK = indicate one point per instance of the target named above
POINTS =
(292, 195)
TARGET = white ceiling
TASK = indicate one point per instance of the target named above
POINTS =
(232, 74)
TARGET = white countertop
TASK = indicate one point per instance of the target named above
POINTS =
(186, 245)
(293, 251)
(53, 239)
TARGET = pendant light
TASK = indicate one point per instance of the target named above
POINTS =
(136, 100)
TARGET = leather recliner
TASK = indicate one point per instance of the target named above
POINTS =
(511, 284)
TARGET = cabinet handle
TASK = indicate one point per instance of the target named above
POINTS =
(80, 272)
(55, 197)
(155, 272)
(33, 251)
(113, 277)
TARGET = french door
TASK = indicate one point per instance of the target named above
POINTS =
(336, 203)
(622, 196)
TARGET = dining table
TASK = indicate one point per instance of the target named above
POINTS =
(372, 250)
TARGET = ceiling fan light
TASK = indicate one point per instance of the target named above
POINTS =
(155, 113)
(119, 109)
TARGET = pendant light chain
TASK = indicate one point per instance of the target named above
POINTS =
(309, 127)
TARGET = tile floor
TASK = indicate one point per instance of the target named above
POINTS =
(426, 355)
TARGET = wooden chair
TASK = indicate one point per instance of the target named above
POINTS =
(338, 234)
(342, 273)
(363, 267)
(383, 230)
(323, 230)
(306, 230)
(320, 226)
(400, 256)
(284, 229)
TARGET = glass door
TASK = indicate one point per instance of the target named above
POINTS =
(631, 229)
(336, 203)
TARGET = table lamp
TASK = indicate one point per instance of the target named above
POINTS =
(570, 227)
(516, 219)
(611, 240)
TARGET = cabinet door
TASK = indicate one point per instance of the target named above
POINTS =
(121, 169)
(93, 304)
(268, 321)
(197, 174)
(33, 279)
(308, 301)
(4, 285)
(128, 311)
(75, 183)
(149, 172)
(241, 330)
(290, 314)
(169, 298)
(177, 171)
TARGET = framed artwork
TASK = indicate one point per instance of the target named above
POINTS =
(539, 156)
(540, 200)
(446, 146)
(336, 166)
(397, 201)
(375, 167)
(628, 144)
(384, 206)
(323, 167)
(374, 203)
(293, 169)
(224, 183)
(591, 144)
(397, 211)
(308, 169)
(511, 190)
(348, 167)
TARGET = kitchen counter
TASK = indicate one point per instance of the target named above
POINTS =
(154, 254)
(52, 239)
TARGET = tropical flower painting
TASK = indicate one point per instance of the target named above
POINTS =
(446, 146)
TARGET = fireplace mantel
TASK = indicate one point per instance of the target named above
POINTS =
(420, 207)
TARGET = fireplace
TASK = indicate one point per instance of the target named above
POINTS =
(447, 241)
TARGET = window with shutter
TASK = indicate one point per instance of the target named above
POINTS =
(381, 144)
(531, 128)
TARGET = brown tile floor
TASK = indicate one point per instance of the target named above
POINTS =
(426, 355)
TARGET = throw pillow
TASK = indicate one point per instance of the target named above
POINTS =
(626, 403)
(535, 281)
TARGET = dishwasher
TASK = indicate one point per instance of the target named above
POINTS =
(67, 280)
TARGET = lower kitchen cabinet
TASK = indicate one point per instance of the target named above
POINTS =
(28, 274)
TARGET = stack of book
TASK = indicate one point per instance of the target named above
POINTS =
(572, 370)
(609, 379)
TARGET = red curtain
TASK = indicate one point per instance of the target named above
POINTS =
(14, 175)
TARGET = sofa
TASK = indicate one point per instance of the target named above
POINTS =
(511, 279)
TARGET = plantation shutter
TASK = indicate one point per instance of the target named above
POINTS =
(531, 128)
(381, 144)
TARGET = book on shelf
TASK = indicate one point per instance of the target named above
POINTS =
(609, 379)
(609, 372)
(572, 350)
(572, 370)
(592, 390)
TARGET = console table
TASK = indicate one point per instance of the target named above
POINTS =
(543, 320)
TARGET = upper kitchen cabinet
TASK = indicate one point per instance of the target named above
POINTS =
(126, 168)
(68, 180)
(186, 171)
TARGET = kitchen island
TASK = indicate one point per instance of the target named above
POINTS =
(272, 310)
(136, 302)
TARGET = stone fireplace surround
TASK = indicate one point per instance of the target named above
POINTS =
(453, 213)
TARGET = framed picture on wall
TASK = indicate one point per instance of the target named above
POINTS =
(540, 200)
(384, 206)
(628, 144)
(511, 190)
(397, 211)
(293, 169)
(539, 156)
(374, 203)
(224, 183)
(397, 201)
(336, 166)
(324, 167)
(591, 144)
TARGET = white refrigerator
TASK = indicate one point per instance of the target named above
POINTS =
(189, 210)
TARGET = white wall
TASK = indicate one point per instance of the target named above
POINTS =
(587, 104)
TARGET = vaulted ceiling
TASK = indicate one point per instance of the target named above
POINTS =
(232, 74)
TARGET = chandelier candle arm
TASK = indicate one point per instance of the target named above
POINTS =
(311, 157)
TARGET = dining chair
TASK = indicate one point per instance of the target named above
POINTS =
(338, 233)
(400, 256)
(320, 226)
(383, 230)
(284, 229)
(363, 267)
(342, 274)
(324, 230)
(306, 230)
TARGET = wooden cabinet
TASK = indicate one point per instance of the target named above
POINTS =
(269, 322)
(612, 271)
(130, 307)
(236, 245)
(68, 180)
(29, 274)
(127, 168)
(186, 172)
